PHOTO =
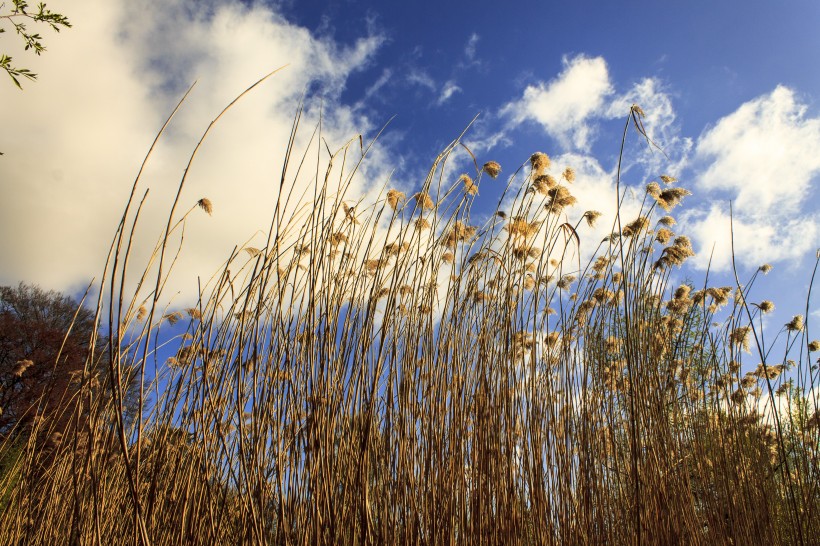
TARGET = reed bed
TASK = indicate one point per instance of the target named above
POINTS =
(394, 372)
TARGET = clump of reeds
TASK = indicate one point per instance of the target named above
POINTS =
(397, 374)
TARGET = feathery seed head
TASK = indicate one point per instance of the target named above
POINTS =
(540, 162)
(636, 226)
(663, 235)
(492, 168)
(795, 324)
(206, 205)
(423, 201)
(560, 197)
(394, 197)
(591, 216)
(470, 187)
(421, 224)
(543, 183)
(740, 337)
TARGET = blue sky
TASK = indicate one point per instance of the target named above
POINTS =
(729, 88)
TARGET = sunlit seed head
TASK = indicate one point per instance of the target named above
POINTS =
(569, 175)
(663, 235)
(591, 216)
(784, 388)
(424, 201)
(421, 224)
(814, 345)
(636, 226)
(617, 277)
(448, 257)
(552, 339)
(173, 318)
(734, 366)
(206, 205)
(795, 324)
(373, 265)
(470, 187)
(600, 264)
(670, 197)
(748, 381)
(566, 281)
(740, 337)
(739, 396)
(667, 221)
(194, 313)
(766, 306)
(540, 162)
(668, 179)
(492, 168)
(529, 282)
(141, 312)
(542, 183)
(765, 268)
(560, 197)
(394, 197)
(682, 292)
(653, 189)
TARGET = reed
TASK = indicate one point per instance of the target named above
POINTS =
(393, 373)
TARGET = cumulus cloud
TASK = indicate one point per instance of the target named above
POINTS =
(75, 139)
(763, 157)
(571, 108)
(565, 105)
(672, 149)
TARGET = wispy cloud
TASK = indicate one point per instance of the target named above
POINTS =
(450, 88)
(421, 78)
(470, 48)
(565, 105)
(763, 157)
(387, 75)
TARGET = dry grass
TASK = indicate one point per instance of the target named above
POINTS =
(455, 384)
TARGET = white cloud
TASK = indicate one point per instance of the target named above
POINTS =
(765, 153)
(756, 240)
(422, 79)
(75, 139)
(470, 48)
(386, 76)
(764, 158)
(450, 88)
(565, 105)
(660, 125)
